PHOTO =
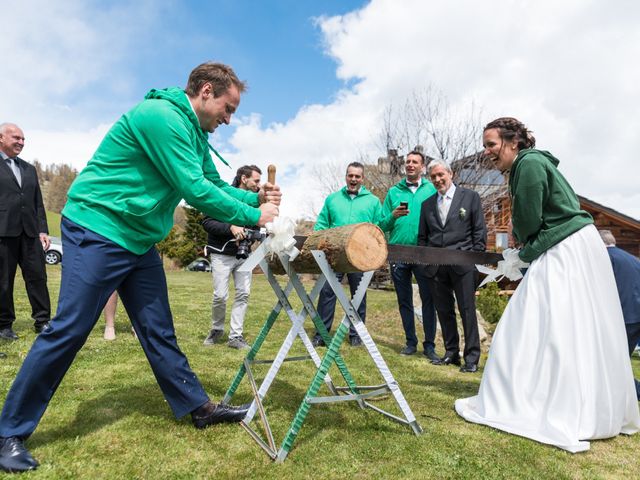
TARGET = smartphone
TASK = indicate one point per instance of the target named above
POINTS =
(404, 205)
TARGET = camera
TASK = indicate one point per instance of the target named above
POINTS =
(244, 246)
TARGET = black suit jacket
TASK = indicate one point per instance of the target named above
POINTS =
(21, 207)
(464, 229)
(219, 234)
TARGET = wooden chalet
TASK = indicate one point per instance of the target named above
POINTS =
(626, 229)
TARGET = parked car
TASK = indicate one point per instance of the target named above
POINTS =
(54, 254)
(199, 265)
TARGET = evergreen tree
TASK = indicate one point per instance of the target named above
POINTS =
(185, 245)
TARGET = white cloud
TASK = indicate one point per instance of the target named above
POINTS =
(53, 49)
(71, 147)
(61, 60)
(564, 68)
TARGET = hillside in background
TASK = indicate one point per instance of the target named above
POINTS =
(55, 181)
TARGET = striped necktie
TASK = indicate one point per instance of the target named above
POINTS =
(443, 208)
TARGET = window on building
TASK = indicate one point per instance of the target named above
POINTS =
(502, 241)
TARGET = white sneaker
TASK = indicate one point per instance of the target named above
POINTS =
(109, 333)
(239, 343)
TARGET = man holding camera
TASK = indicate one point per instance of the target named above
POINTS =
(229, 246)
(401, 211)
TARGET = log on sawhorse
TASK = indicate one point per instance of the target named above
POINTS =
(351, 392)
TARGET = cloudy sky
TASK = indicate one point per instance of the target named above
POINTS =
(321, 74)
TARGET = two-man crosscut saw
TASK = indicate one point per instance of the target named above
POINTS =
(431, 255)
(440, 256)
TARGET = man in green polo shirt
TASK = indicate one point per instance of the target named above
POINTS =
(351, 204)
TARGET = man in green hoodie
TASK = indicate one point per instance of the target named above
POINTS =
(118, 208)
(352, 204)
(400, 215)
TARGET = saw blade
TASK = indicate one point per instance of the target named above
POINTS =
(416, 254)
(440, 256)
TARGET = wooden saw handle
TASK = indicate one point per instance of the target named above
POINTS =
(271, 174)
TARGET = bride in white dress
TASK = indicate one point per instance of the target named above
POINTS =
(558, 370)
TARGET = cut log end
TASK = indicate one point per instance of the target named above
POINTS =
(367, 247)
(360, 247)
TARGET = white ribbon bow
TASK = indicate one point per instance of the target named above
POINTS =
(280, 240)
(281, 232)
(509, 267)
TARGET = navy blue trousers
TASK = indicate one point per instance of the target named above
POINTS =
(401, 274)
(92, 268)
(327, 301)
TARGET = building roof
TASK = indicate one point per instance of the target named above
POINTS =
(621, 217)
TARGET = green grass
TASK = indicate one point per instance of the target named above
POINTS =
(53, 221)
(109, 419)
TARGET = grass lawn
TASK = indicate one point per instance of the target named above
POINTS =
(109, 419)
(53, 221)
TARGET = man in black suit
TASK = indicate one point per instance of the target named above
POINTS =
(23, 233)
(453, 219)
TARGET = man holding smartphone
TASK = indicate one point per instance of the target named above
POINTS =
(400, 215)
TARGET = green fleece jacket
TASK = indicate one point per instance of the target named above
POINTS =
(545, 209)
(404, 230)
(153, 156)
(340, 209)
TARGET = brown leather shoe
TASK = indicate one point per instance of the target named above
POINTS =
(211, 414)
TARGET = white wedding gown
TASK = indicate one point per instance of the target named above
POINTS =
(558, 370)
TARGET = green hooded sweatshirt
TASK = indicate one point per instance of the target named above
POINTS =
(153, 156)
(404, 230)
(545, 209)
(340, 209)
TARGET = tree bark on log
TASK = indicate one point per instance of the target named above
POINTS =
(360, 247)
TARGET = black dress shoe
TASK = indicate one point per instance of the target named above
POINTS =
(448, 360)
(14, 457)
(318, 342)
(408, 350)
(211, 414)
(40, 327)
(431, 355)
(355, 342)
(8, 334)
(469, 368)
